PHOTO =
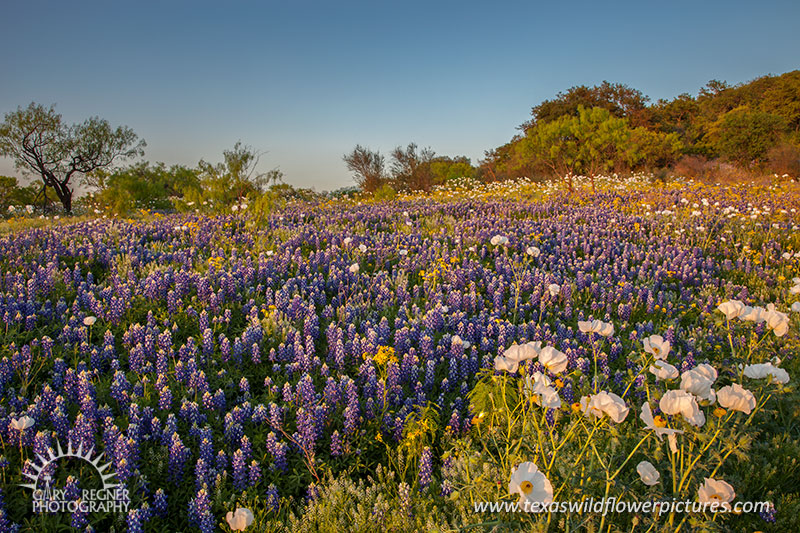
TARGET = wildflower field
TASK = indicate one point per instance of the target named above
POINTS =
(370, 366)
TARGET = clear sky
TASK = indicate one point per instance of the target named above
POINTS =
(306, 81)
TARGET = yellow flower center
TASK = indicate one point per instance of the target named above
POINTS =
(576, 407)
(659, 421)
(656, 350)
(719, 412)
(526, 487)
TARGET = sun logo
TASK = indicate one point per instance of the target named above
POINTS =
(43, 462)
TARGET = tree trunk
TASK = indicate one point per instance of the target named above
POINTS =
(65, 195)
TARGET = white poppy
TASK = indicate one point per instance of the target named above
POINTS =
(354, 268)
(531, 484)
(522, 352)
(763, 370)
(732, 308)
(663, 370)
(89, 320)
(553, 360)
(648, 473)
(680, 402)
(657, 346)
(737, 398)
(596, 326)
(605, 403)
(239, 520)
(796, 307)
(649, 421)
(533, 251)
(347, 240)
(698, 383)
(715, 491)
(403, 252)
(502, 363)
(499, 240)
(776, 321)
(362, 247)
(22, 423)
(538, 386)
(554, 289)
(753, 314)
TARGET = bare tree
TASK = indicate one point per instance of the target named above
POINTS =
(368, 167)
(411, 168)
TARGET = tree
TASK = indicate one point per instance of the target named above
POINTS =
(143, 185)
(43, 145)
(622, 101)
(411, 168)
(234, 179)
(368, 167)
(745, 136)
(445, 168)
(590, 143)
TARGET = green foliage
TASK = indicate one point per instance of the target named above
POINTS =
(738, 123)
(385, 193)
(745, 136)
(12, 194)
(445, 168)
(620, 100)
(143, 186)
(231, 181)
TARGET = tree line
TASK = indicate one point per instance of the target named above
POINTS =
(613, 128)
(603, 129)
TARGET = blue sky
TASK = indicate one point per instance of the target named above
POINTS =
(306, 81)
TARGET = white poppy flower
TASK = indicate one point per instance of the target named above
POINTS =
(554, 289)
(776, 321)
(753, 314)
(403, 252)
(347, 240)
(649, 421)
(89, 320)
(499, 240)
(533, 251)
(362, 247)
(737, 398)
(732, 308)
(239, 520)
(604, 329)
(22, 423)
(354, 268)
(663, 370)
(763, 370)
(796, 307)
(538, 386)
(698, 383)
(531, 484)
(502, 363)
(680, 402)
(657, 346)
(648, 473)
(715, 491)
(605, 403)
(522, 352)
(553, 360)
